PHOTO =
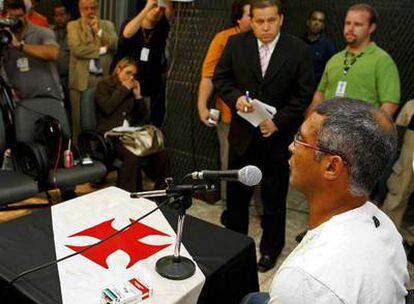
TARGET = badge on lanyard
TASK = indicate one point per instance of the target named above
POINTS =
(340, 89)
(144, 54)
(23, 64)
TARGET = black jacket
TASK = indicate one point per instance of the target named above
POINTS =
(287, 85)
(112, 100)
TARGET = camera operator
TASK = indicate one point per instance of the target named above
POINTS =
(29, 59)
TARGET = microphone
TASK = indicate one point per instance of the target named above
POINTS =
(175, 190)
(248, 175)
(10, 22)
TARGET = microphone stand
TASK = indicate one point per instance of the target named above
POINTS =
(176, 267)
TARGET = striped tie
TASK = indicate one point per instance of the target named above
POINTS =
(264, 58)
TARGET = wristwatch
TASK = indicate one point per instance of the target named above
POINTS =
(21, 45)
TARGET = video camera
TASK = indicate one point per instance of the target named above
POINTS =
(5, 36)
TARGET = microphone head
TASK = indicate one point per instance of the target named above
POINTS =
(250, 175)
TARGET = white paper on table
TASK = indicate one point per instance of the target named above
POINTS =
(262, 111)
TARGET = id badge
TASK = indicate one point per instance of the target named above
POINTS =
(340, 89)
(23, 64)
(144, 54)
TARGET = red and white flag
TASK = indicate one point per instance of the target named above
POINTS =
(133, 253)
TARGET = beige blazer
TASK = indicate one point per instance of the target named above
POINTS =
(84, 47)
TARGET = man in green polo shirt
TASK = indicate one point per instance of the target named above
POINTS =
(363, 70)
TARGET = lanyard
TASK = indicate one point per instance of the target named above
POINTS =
(146, 38)
(348, 63)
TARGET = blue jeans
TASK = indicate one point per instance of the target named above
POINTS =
(256, 298)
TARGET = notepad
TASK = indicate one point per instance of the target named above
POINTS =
(262, 112)
(126, 129)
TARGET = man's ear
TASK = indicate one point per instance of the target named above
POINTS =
(333, 167)
(372, 28)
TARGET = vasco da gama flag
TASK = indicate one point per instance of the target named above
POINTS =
(131, 254)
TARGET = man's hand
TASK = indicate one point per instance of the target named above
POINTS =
(15, 41)
(151, 4)
(94, 24)
(204, 115)
(268, 127)
(243, 105)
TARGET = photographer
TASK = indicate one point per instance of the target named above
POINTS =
(30, 57)
(144, 38)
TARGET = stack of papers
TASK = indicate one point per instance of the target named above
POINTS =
(262, 112)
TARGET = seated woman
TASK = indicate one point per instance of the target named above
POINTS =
(118, 97)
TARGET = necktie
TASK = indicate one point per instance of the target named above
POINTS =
(264, 58)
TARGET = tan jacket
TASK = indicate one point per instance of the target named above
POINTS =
(84, 47)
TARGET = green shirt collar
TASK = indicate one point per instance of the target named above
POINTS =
(371, 48)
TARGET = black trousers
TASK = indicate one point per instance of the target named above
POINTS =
(157, 104)
(274, 185)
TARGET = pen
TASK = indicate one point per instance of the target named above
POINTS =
(247, 99)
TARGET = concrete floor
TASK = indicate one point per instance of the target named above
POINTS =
(296, 222)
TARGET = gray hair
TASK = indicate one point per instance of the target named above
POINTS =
(364, 135)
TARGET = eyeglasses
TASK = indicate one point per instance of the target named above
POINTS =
(297, 140)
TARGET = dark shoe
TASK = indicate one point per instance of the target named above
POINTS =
(300, 236)
(224, 218)
(266, 263)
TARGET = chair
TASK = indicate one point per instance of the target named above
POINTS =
(14, 186)
(91, 141)
(32, 155)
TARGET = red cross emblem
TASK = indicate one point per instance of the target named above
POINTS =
(127, 241)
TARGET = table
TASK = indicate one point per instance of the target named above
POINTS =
(227, 259)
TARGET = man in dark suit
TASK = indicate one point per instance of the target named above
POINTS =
(275, 68)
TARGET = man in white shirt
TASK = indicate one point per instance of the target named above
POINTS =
(352, 252)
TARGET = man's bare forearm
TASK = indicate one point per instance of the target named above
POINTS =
(134, 25)
(318, 97)
(389, 108)
(46, 52)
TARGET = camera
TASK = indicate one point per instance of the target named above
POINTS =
(162, 3)
(5, 36)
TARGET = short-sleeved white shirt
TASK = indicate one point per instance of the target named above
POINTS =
(355, 257)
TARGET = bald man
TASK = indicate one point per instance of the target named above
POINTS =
(92, 43)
